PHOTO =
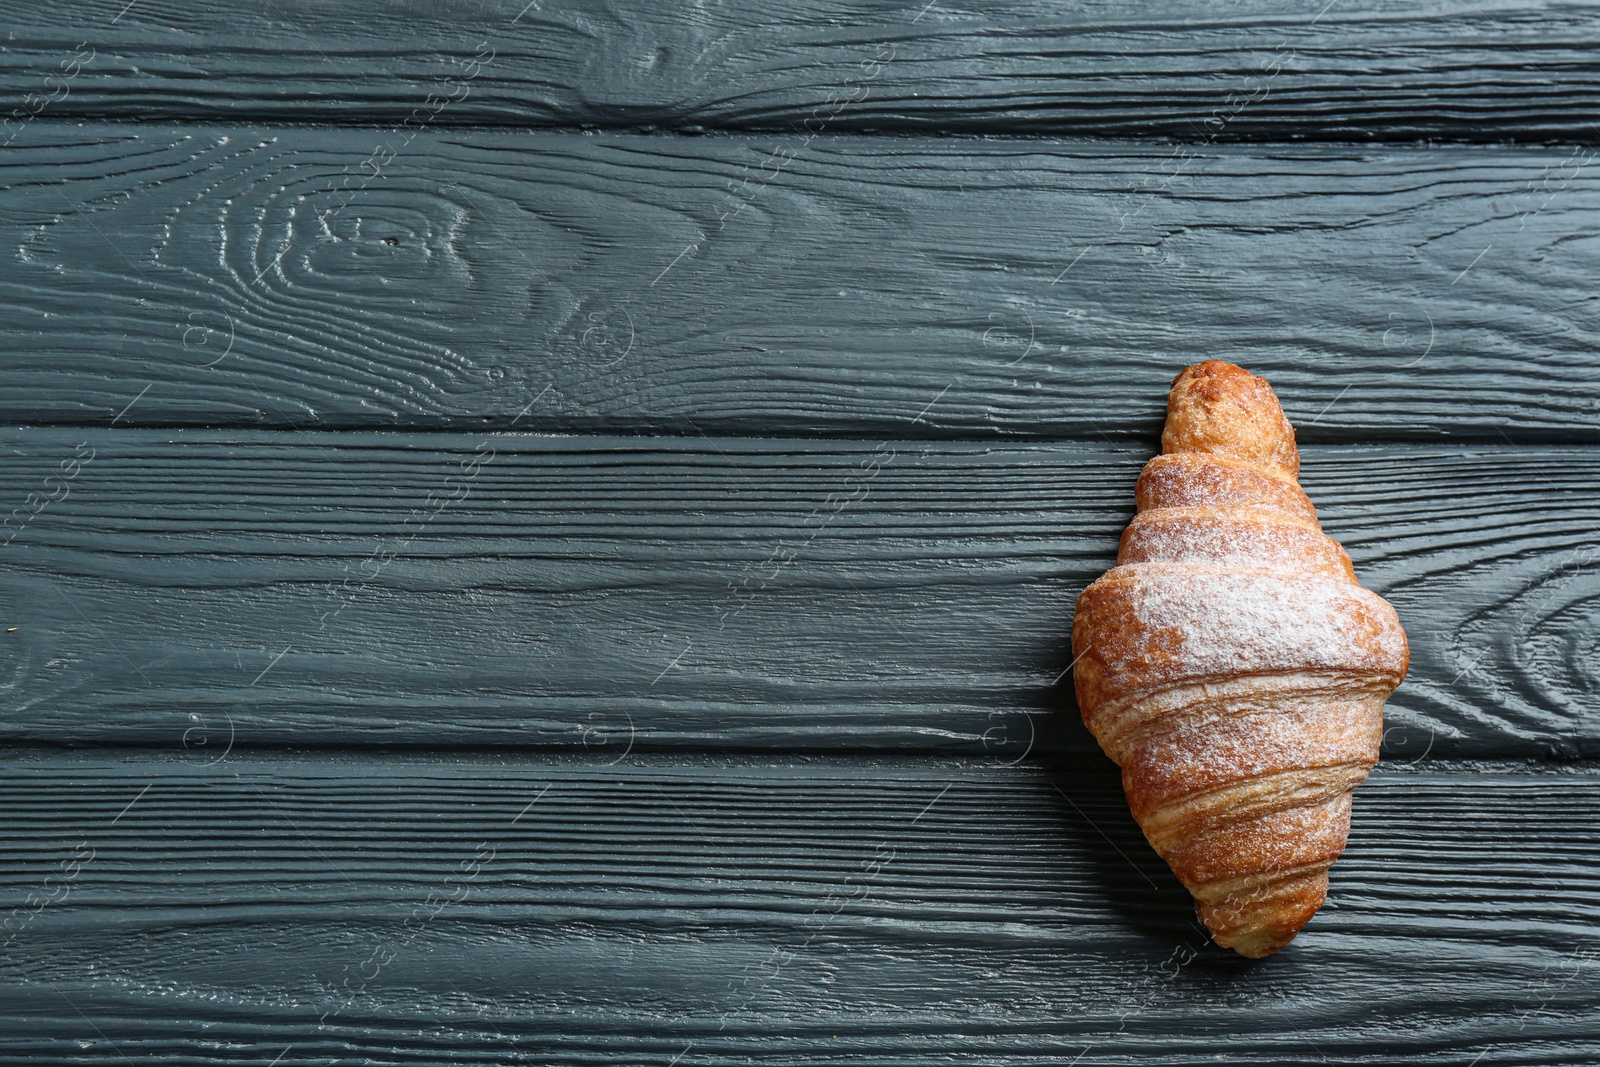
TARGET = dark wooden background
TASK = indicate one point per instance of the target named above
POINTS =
(548, 534)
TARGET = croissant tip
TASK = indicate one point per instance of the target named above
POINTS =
(1208, 368)
(1220, 408)
(1260, 945)
(1259, 922)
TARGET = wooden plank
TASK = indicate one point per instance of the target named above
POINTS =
(884, 287)
(880, 912)
(602, 593)
(1358, 70)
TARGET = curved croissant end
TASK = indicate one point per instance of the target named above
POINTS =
(1232, 666)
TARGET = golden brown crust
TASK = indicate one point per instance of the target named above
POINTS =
(1261, 918)
(1233, 666)
(1218, 408)
(1190, 479)
(1232, 536)
(1199, 754)
(1148, 626)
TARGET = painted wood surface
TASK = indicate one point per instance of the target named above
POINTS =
(522, 590)
(721, 911)
(355, 714)
(901, 287)
(1351, 70)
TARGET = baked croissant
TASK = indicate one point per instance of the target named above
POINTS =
(1233, 668)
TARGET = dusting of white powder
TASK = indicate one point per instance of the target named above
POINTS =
(1261, 620)
(1242, 538)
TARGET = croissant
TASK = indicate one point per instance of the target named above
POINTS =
(1232, 666)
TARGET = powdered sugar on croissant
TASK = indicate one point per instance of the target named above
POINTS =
(1233, 667)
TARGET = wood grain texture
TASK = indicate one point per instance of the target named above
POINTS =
(606, 592)
(716, 740)
(1455, 69)
(859, 911)
(886, 287)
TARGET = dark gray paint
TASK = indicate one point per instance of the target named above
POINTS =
(864, 911)
(877, 288)
(756, 593)
(1188, 69)
(887, 287)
